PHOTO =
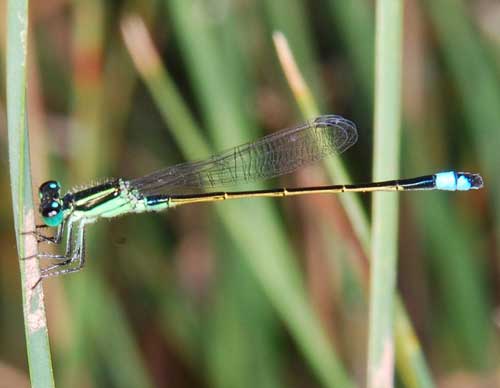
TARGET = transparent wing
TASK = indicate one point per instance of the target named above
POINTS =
(276, 154)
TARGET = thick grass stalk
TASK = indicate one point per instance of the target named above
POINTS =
(37, 342)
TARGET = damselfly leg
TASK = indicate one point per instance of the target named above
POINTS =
(56, 239)
(72, 260)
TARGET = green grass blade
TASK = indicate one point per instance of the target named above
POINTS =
(37, 342)
(481, 110)
(356, 24)
(309, 107)
(272, 263)
(464, 55)
(388, 64)
(105, 325)
(410, 359)
(272, 260)
(148, 63)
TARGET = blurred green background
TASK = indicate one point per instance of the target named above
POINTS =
(267, 293)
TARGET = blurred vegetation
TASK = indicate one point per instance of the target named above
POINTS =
(256, 292)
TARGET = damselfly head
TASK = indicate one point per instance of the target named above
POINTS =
(49, 189)
(51, 207)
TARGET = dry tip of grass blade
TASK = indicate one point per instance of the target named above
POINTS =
(148, 63)
(299, 87)
(140, 45)
(294, 77)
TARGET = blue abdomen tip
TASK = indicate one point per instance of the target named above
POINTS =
(461, 181)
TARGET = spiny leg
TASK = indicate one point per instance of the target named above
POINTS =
(76, 256)
(62, 259)
(55, 240)
(69, 241)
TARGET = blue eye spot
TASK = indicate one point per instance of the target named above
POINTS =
(53, 220)
(52, 212)
(53, 185)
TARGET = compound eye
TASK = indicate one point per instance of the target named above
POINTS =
(52, 213)
(49, 189)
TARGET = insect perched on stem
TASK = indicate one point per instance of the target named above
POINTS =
(204, 181)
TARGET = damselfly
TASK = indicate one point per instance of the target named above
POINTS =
(207, 181)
